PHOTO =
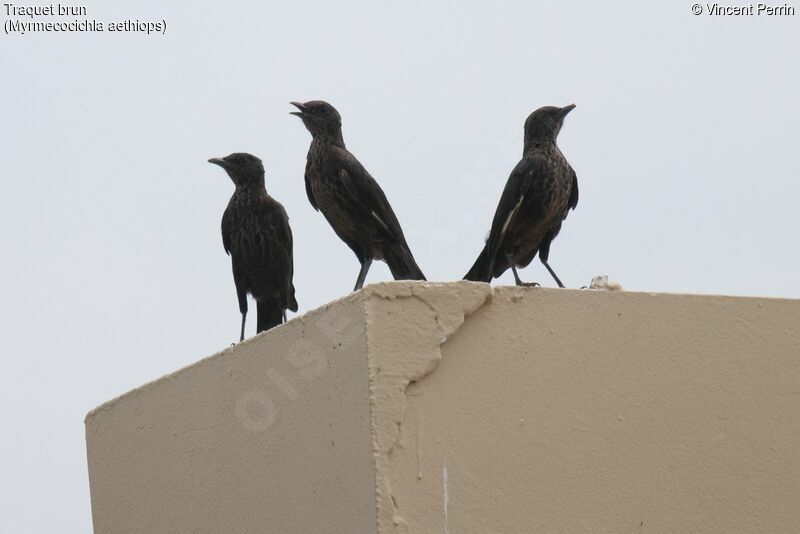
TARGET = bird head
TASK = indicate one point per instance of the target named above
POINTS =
(243, 168)
(321, 119)
(545, 123)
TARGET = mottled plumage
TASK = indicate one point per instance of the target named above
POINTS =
(539, 193)
(350, 199)
(256, 235)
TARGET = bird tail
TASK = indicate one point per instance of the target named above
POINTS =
(481, 270)
(270, 313)
(291, 301)
(401, 263)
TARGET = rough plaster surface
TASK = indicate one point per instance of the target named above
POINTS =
(454, 408)
(406, 327)
(569, 411)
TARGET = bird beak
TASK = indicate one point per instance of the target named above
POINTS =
(567, 109)
(218, 161)
(299, 106)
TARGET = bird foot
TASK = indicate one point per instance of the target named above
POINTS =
(529, 284)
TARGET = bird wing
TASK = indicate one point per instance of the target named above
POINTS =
(227, 223)
(273, 218)
(363, 189)
(573, 193)
(285, 236)
(348, 184)
(310, 193)
(528, 171)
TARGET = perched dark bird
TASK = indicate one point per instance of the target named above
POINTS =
(539, 193)
(350, 199)
(256, 235)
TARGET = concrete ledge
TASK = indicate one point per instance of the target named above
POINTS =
(419, 407)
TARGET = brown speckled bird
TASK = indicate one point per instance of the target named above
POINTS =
(539, 193)
(256, 235)
(350, 199)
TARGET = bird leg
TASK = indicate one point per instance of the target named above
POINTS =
(362, 275)
(241, 295)
(553, 274)
(512, 263)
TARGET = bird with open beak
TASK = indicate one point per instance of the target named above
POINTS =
(349, 197)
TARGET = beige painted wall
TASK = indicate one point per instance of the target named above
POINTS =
(272, 435)
(454, 408)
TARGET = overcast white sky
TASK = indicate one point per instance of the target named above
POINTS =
(685, 142)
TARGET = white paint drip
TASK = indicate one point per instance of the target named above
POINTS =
(446, 499)
(419, 454)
